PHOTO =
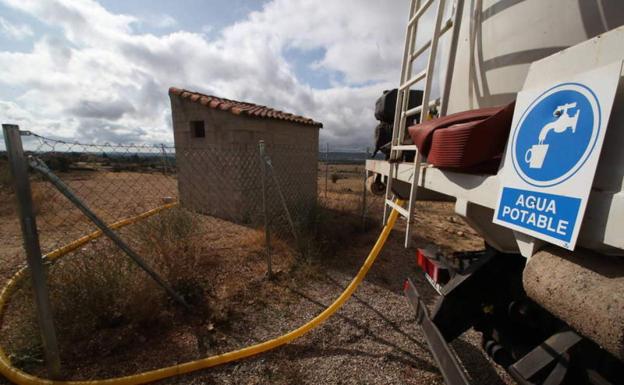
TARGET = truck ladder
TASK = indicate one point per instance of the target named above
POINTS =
(402, 111)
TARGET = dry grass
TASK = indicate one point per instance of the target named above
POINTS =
(103, 301)
(106, 308)
(96, 294)
(113, 196)
(100, 294)
(38, 193)
(327, 232)
(39, 196)
(170, 239)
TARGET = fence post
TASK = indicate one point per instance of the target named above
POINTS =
(291, 223)
(267, 233)
(21, 183)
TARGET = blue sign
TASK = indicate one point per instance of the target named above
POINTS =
(548, 214)
(552, 154)
(556, 134)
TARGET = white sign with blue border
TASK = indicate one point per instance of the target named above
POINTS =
(552, 155)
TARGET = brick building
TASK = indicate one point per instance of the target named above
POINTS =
(216, 142)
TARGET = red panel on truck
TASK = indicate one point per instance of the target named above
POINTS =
(468, 141)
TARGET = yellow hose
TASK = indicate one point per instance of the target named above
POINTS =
(19, 377)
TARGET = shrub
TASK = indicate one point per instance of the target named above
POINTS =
(58, 162)
(99, 290)
(96, 294)
(170, 241)
(324, 232)
(102, 301)
(335, 177)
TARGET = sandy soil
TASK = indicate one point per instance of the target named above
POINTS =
(373, 339)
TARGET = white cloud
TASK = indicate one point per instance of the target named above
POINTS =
(15, 31)
(103, 81)
(161, 21)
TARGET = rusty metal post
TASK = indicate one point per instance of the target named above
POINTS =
(265, 209)
(21, 184)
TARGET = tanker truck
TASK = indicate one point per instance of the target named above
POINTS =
(520, 122)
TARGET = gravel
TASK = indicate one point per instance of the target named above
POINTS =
(373, 339)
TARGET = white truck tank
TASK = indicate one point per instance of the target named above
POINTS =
(503, 37)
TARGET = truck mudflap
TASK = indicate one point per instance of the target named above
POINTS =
(444, 356)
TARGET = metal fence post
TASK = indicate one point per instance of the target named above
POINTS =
(291, 223)
(21, 183)
(267, 233)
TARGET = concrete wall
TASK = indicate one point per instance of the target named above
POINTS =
(220, 174)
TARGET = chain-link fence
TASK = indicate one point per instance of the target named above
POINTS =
(120, 181)
(243, 195)
(346, 187)
(114, 181)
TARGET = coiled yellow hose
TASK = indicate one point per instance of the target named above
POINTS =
(19, 377)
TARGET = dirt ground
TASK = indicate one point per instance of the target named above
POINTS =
(112, 195)
(373, 339)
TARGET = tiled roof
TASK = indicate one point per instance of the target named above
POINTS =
(241, 108)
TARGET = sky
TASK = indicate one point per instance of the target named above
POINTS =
(100, 71)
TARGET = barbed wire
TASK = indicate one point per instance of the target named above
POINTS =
(47, 139)
(53, 142)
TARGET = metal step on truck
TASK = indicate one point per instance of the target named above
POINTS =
(515, 111)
